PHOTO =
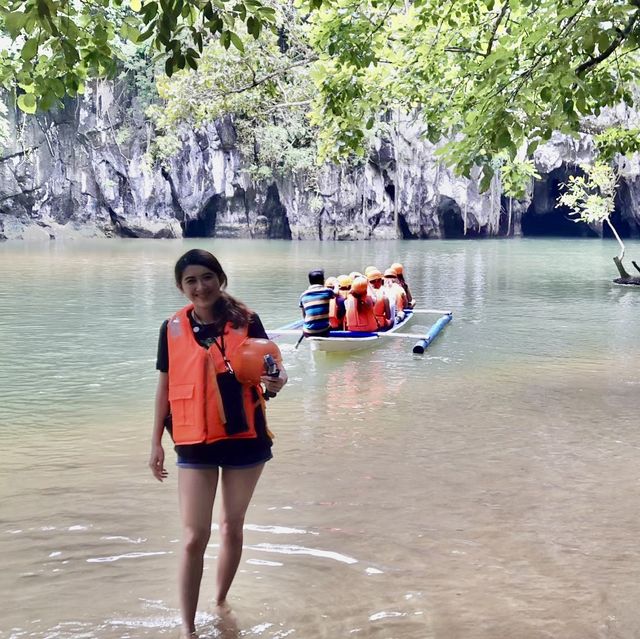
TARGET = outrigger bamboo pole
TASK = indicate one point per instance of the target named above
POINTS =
(420, 346)
(430, 311)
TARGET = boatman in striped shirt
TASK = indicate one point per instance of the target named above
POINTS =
(314, 303)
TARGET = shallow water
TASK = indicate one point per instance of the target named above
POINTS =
(485, 490)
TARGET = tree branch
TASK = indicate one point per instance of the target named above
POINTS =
(268, 77)
(496, 26)
(592, 62)
(286, 105)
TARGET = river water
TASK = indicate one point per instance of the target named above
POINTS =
(488, 489)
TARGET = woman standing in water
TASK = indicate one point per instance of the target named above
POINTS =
(217, 423)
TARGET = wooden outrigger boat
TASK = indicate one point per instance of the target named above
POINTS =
(348, 341)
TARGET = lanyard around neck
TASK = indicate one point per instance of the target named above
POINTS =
(221, 348)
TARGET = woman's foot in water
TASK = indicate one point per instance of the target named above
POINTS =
(227, 623)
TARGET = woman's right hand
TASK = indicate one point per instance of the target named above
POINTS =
(156, 462)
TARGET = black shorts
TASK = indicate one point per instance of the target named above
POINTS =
(227, 453)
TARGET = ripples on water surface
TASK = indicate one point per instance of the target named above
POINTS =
(486, 490)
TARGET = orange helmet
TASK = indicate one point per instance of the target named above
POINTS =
(359, 286)
(375, 274)
(390, 273)
(344, 281)
(248, 359)
(369, 269)
(397, 268)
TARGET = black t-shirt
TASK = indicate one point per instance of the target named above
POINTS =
(226, 452)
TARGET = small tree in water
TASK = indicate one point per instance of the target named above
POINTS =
(591, 198)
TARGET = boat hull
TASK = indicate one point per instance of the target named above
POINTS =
(348, 341)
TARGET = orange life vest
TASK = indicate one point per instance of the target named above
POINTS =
(359, 314)
(196, 405)
(380, 309)
(334, 322)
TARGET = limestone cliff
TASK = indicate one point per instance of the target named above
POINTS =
(83, 171)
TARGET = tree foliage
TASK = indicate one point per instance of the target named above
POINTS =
(591, 196)
(515, 175)
(489, 75)
(494, 77)
(56, 45)
(264, 84)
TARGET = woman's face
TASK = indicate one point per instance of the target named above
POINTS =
(201, 286)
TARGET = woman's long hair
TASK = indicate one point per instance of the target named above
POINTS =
(226, 308)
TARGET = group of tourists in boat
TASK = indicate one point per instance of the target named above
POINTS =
(359, 302)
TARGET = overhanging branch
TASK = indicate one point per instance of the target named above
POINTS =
(592, 62)
(266, 78)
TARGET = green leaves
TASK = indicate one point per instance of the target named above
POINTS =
(617, 139)
(492, 76)
(29, 49)
(265, 89)
(516, 176)
(27, 103)
(81, 40)
(591, 197)
(237, 42)
(14, 22)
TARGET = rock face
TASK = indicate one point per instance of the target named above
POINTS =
(83, 171)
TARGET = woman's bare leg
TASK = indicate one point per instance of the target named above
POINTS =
(238, 485)
(197, 491)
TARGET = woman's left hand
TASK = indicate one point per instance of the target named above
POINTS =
(275, 384)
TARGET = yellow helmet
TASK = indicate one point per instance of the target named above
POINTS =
(369, 269)
(397, 268)
(330, 282)
(390, 273)
(344, 281)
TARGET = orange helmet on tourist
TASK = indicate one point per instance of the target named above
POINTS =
(248, 359)
(359, 286)
(397, 268)
(369, 269)
(375, 274)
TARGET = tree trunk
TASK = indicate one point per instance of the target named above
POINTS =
(624, 278)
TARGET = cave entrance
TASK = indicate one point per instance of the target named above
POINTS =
(276, 215)
(544, 218)
(205, 224)
(405, 231)
(452, 222)
(450, 219)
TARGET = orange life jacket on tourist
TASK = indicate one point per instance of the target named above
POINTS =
(197, 411)
(360, 316)
(335, 323)
(380, 309)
